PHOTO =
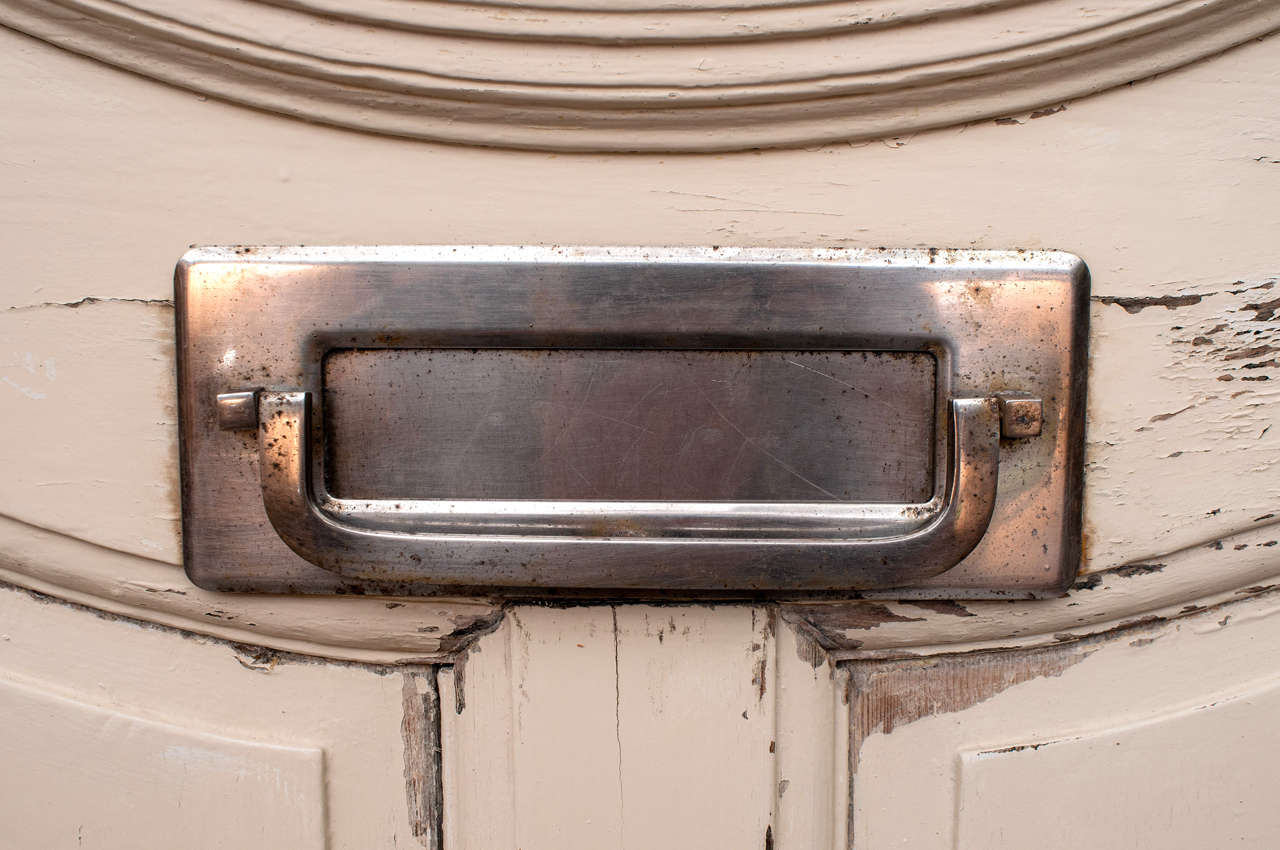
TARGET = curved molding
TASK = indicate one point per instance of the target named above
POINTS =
(380, 630)
(367, 630)
(1168, 586)
(708, 76)
(640, 22)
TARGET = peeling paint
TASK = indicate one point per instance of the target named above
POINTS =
(809, 640)
(243, 652)
(940, 606)
(1052, 110)
(1017, 748)
(1089, 582)
(256, 658)
(469, 627)
(1203, 415)
(884, 695)
(94, 299)
(761, 649)
(851, 615)
(1264, 311)
(1132, 570)
(1138, 304)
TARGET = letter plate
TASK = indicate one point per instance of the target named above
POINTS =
(724, 422)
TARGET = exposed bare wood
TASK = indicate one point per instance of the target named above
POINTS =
(424, 784)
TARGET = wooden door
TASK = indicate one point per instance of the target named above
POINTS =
(1134, 711)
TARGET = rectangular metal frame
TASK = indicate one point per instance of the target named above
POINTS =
(260, 320)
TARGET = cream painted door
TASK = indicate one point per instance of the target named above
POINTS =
(1136, 711)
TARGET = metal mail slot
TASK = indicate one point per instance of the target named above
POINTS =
(629, 425)
(529, 420)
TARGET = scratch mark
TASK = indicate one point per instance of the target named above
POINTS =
(649, 392)
(584, 480)
(766, 211)
(713, 197)
(779, 461)
(868, 396)
(742, 449)
(597, 415)
(577, 406)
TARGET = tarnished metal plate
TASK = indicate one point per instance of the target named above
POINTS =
(653, 421)
(638, 425)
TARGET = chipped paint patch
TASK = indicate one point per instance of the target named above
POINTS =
(856, 615)
(884, 695)
(940, 606)
(94, 299)
(888, 694)
(1138, 304)
(259, 659)
(1210, 362)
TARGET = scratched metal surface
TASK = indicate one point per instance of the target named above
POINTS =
(257, 514)
(617, 424)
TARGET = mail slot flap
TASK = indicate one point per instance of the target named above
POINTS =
(786, 426)
(418, 420)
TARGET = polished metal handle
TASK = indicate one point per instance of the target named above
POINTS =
(537, 545)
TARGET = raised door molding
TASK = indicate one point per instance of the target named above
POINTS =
(1158, 735)
(117, 736)
(583, 75)
(83, 775)
(1199, 776)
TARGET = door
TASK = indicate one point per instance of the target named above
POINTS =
(1132, 710)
